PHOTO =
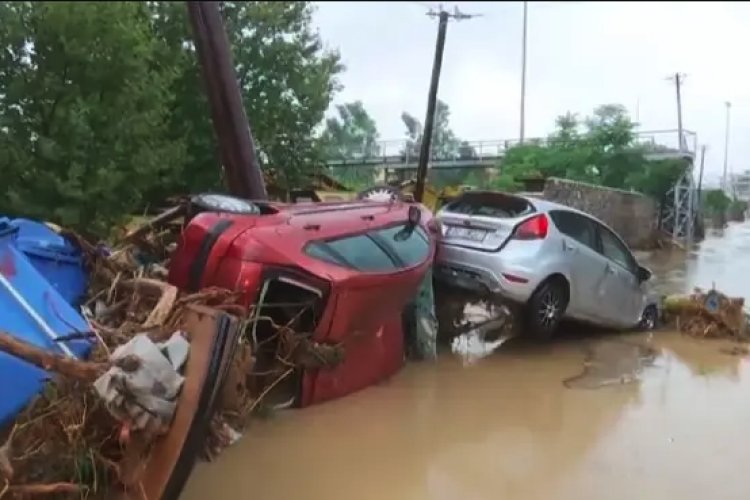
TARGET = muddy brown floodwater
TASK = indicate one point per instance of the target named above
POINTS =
(588, 416)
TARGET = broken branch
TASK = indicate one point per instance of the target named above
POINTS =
(84, 371)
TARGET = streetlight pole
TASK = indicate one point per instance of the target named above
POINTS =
(523, 74)
(726, 147)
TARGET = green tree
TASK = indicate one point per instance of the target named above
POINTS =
(413, 136)
(84, 112)
(605, 153)
(611, 135)
(287, 80)
(445, 145)
(716, 201)
(351, 134)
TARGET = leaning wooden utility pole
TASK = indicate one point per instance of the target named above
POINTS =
(429, 122)
(243, 176)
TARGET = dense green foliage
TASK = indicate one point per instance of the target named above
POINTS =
(601, 149)
(103, 112)
(84, 108)
(286, 78)
(353, 134)
(739, 206)
(349, 135)
(716, 201)
(102, 108)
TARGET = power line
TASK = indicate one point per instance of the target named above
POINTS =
(456, 14)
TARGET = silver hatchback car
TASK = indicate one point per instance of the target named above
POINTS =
(556, 261)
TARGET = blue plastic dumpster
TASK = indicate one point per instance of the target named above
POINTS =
(35, 312)
(59, 261)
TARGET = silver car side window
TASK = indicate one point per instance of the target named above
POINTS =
(577, 227)
(614, 250)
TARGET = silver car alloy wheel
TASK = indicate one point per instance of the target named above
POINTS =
(648, 320)
(549, 308)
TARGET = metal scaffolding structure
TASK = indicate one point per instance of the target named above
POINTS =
(680, 213)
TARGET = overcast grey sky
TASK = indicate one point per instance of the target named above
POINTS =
(580, 55)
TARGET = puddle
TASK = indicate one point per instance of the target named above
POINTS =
(611, 362)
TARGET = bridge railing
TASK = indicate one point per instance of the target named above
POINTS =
(668, 141)
(407, 152)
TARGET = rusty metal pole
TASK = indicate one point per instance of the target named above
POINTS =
(243, 175)
(424, 153)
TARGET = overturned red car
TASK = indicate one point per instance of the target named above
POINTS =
(344, 272)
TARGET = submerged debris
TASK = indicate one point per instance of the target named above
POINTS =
(707, 315)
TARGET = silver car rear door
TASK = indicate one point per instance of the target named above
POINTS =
(624, 294)
(579, 251)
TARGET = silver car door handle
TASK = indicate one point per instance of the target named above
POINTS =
(610, 269)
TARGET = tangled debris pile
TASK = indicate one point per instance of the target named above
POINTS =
(93, 421)
(92, 427)
(707, 315)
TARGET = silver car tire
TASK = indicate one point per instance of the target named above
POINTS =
(545, 309)
(649, 319)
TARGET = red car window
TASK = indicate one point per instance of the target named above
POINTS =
(382, 250)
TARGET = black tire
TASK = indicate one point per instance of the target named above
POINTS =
(546, 308)
(649, 319)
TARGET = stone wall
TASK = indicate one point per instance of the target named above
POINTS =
(632, 215)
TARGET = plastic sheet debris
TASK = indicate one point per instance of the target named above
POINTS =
(149, 391)
(69, 439)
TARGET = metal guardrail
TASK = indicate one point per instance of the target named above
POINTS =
(405, 153)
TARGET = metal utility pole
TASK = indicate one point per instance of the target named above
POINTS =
(726, 147)
(522, 130)
(242, 171)
(429, 122)
(700, 175)
(679, 79)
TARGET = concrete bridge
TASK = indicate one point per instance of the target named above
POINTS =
(403, 155)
